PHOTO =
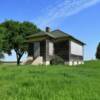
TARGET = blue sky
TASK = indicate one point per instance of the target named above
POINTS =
(80, 18)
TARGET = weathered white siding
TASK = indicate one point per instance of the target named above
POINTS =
(36, 49)
(51, 48)
(76, 49)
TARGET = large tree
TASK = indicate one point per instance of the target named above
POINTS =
(14, 37)
(98, 51)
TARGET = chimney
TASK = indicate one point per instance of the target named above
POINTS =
(47, 29)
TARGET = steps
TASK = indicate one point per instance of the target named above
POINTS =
(29, 60)
(38, 61)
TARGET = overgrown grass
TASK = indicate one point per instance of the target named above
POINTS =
(50, 83)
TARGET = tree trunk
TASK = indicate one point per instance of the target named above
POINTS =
(18, 61)
(19, 56)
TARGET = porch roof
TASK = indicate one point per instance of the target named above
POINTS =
(56, 34)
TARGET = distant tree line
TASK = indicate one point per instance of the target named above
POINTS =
(13, 36)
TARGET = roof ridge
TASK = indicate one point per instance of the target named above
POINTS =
(62, 32)
(49, 33)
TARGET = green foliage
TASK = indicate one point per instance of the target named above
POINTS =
(14, 35)
(50, 83)
(1, 54)
(57, 60)
(28, 28)
(2, 31)
(98, 52)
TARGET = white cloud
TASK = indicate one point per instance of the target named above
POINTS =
(63, 9)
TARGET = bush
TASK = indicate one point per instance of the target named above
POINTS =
(57, 60)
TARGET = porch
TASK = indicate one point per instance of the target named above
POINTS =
(42, 52)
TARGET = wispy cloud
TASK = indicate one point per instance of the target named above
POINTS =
(63, 8)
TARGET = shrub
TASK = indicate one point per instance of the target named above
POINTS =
(57, 60)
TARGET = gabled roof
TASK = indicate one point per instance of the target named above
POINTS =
(59, 34)
(41, 34)
(56, 34)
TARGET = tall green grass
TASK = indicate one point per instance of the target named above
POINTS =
(50, 82)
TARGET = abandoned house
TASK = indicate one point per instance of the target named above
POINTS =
(43, 46)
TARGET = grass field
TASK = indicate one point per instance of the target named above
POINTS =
(50, 83)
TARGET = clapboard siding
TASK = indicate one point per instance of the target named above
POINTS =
(76, 49)
(48, 56)
(76, 52)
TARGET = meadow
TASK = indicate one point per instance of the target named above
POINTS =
(57, 82)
